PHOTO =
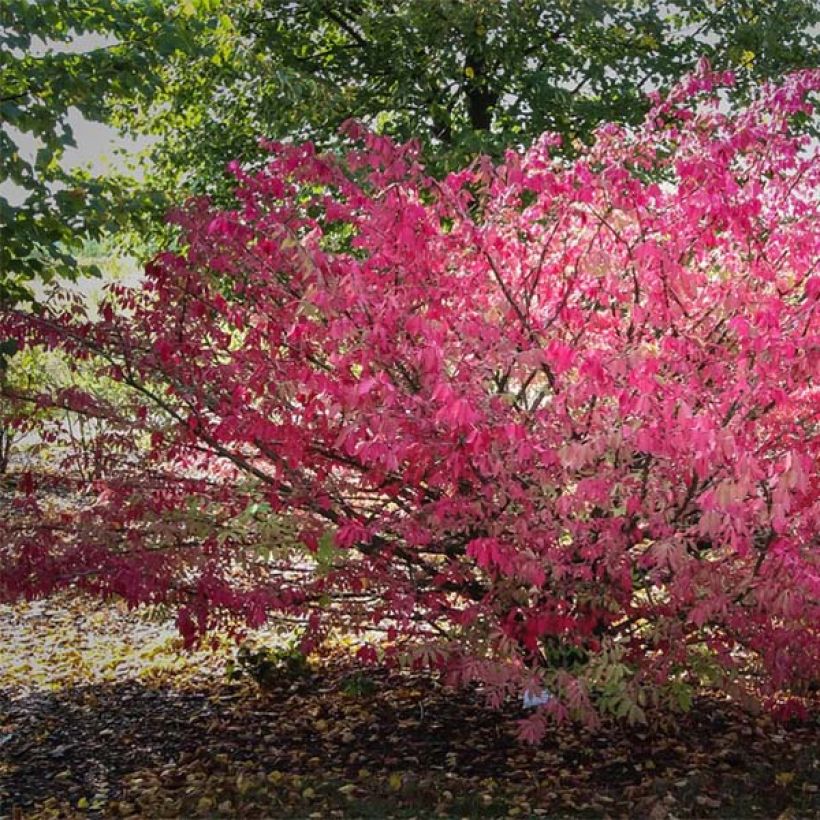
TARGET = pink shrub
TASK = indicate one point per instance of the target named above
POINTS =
(546, 423)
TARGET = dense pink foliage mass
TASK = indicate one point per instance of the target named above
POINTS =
(546, 423)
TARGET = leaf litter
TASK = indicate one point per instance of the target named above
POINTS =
(103, 715)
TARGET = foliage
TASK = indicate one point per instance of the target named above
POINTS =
(359, 685)
(546, 423)
(204, 79)
(48, 77)
(268, 666)
(464, 77)
(20, 378)
(28, 375)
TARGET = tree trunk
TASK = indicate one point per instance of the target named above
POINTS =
(481, 96)
(5, 449)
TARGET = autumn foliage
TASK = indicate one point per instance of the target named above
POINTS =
(541, 424)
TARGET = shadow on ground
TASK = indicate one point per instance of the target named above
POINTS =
(406, 747)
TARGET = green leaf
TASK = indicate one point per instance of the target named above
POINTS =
(327, 553)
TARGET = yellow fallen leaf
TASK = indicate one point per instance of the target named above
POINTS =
(395, 781)
(784, 778)
(82, 803)
(347, 789)
(308, 793)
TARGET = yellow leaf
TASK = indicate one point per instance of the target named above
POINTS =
(469, 72)
(204, 805)
(395, 781)
(308, 793)
(348, 789)
(82, 803)
(784, 778)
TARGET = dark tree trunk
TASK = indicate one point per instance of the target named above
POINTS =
(5, 449)
(481, 96)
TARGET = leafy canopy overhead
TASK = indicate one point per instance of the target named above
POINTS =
(464, 77)
(206, 78)
(58, 59)
(544, 422)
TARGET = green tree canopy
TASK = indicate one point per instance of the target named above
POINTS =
(465, 77)
(207, 78)
(64, 58)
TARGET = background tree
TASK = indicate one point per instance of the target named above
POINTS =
(61, 59)
(464, 77)
(206, 78)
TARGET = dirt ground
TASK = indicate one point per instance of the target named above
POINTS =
(101, 715)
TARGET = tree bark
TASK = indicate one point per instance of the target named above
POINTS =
(481, 96)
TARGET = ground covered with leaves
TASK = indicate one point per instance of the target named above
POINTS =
(102, 715)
